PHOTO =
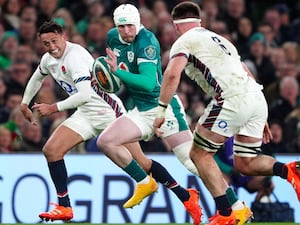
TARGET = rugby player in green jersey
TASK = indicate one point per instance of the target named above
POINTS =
(134, 56)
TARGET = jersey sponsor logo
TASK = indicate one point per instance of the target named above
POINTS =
(130, 56)
(150, 52)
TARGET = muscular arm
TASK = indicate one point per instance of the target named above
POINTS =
(171, 78)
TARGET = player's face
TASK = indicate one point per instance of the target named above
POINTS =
(53, 43)
(127, 32)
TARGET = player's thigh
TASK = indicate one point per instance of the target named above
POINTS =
(256, 118)
(143, 121)
(62, 140)
(89, 125)
(242, 114)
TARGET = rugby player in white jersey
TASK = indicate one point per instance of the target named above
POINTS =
(238, 107)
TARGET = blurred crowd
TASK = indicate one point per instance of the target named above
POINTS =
(266, 33)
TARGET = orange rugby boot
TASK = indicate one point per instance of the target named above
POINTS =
(294, 176)
(58, 213)
(193, 207)
(223, 220)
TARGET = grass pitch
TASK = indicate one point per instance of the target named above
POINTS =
(267, 223)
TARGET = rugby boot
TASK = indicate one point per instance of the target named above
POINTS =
(141, 192)
(294, 176)
(58, 213)
(193, 207)
(243, 215)
(223, 220)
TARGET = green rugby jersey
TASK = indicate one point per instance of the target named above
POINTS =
(140, 65)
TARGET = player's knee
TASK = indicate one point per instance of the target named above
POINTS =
(243, 165)
(244, 153)
(248, 150)
(182, 152)
(104, 143)
(101, 143)
(52, 153)
(206, 144)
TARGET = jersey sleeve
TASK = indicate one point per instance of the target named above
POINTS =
(35, 82)
(78, 66)
(180, 48)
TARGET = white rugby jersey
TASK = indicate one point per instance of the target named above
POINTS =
(75, 65)
(214, 63)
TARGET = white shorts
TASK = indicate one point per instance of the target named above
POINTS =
(244, 114)
(89, 125)
(175, 120)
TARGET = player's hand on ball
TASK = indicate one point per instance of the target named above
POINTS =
(111, 60)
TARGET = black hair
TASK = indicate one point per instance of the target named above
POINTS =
(50, 27)
(186, 10)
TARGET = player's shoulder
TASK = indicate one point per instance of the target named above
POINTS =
(145, 34)
(45, 59)
(112, 36)
(146, 38)
(112, 32)
(76, 51)
(73, 47)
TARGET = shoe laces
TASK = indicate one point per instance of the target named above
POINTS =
(58, 209)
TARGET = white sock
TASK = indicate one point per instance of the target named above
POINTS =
(238, 205)
(145, 180)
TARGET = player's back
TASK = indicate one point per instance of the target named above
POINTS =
(213, 62)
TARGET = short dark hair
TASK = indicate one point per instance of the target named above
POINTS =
(50, 27)
(186, 10)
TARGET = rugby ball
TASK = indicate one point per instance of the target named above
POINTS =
(107, 81)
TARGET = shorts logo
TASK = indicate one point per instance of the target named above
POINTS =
(170, 124)
(222, 124)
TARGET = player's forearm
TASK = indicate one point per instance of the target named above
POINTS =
(32, 87)
(168, 87)
(81, 97)
(145, 80)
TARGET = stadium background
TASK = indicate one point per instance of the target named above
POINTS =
(24, 181)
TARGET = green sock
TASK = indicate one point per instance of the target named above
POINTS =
(231, 195)
(135, 171)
